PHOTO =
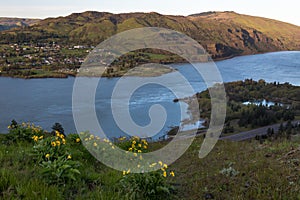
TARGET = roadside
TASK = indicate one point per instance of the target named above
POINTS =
(252, 133)
(245, 135)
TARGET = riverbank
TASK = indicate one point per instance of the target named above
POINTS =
(240, 117)
(117, 71)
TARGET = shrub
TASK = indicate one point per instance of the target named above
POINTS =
(151, 185)
(52, 155)
(23, 132)
(74, 139)
(58, 127)
(61, 170)
(230, 172)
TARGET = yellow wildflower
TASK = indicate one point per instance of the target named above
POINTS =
(139, 151)
(36, 130)
(47, 155)
(41, 137)
(124, 173)
(139, 145)
(57, 133)
(165, 166)
(130, 149)
(9, 127)
(133, 142)
(95, 144)
(128, 171)
(113, 147)
(135, 137)
(53, 144)
(145, 142)
(153, 164)
(63, 141)
(145, 147)
(106, 140)
(35, 138)
(172, 173)
(58, 142)
(160, 163)
(138, 165)
(165, 174)
(77, 140)
(135, 154)
(69, 157)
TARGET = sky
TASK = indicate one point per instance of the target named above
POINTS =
(287, 10)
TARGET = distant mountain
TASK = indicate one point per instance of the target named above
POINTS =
(9, 23)
(223, 34)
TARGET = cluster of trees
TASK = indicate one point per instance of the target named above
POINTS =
(289, 129)
(258, 116)
(284, 95)
(30, 36)
(19, 73)
(249, 89)
(228, 128)
(284, 131)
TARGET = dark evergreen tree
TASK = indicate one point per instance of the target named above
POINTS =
(58, 127)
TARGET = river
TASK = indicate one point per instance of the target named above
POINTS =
(46, 101)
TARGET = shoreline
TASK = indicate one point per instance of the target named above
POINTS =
(64, 75)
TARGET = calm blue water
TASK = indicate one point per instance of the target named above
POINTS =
(46, 101)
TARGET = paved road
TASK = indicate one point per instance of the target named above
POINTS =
(246, 135)
(252, 133)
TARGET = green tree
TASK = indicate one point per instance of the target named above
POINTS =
(58, 127)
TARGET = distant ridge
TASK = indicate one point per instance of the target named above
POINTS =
(207, 13)
(223, 34)
(7, 23)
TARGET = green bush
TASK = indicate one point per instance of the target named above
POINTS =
(53, 156)
(151, 185)
(23, 132)
(49, 148)
(60, 171)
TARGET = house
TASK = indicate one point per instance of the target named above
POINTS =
(79, 47)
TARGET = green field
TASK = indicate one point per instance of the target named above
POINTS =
(233, 170)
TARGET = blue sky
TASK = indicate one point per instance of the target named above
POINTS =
(287, 10)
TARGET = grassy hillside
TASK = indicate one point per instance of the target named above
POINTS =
(223, 34)
(256, 32)
(7, 23)
(233, 170)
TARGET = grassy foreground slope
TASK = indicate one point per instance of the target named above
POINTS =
(233, 170)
